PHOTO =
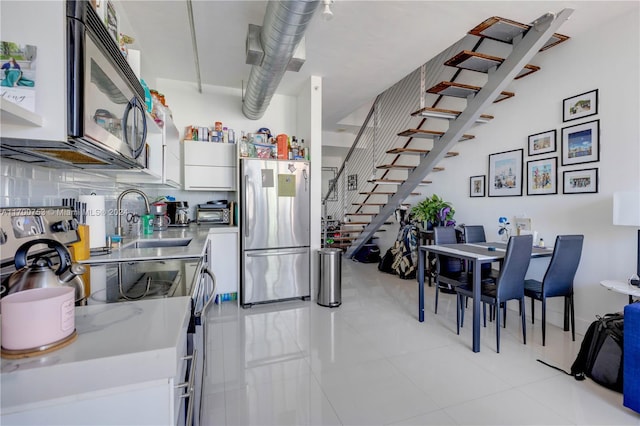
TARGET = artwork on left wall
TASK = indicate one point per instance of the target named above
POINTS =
(476, 186)
(18, 74)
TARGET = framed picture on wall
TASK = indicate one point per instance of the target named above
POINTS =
(581, 143)
(542, 176)
(476, 186)
(580, 181)
(579, 106)
(542, 143)
(505, 174)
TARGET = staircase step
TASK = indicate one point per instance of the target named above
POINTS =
(361, 223)
(447, 114)
(428, 134)
(506, 30)
(480, 62)
(404, 167)
(360, 214)
(458, 90)
(385, 193)
(395, 182)
(375, 204)
(414, 151)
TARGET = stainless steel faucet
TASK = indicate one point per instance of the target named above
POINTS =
(119, 207)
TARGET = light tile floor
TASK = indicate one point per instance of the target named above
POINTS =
(370, 362)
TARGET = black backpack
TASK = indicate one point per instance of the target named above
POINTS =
(600, 355)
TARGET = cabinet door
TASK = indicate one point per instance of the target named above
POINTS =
(209, 154)
(206, 178)
(224, 261)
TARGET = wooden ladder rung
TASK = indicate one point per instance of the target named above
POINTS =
(405, 167)
(506, 30)
(429, 134)
(447, 114)
(395, 181)
(375, 204)
(458, 90)
(415, 151)
(480, 62)
(385, 193)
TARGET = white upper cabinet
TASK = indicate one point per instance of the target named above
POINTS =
(40, 24)
(209, 166)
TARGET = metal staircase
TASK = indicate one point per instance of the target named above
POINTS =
(396, 109)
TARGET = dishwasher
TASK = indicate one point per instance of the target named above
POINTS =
(149, 279)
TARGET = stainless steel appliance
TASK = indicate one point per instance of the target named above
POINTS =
(210, 213)
(122, 282)
(178, 212)
(33, 244)
(275, 198)
(106, 122)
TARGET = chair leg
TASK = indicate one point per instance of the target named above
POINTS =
(458, 309)
(461, 315)
(497, 306)
(544, 318)
(437, 284)
(573, 319)
(524, 322)
(504, 314)
(533, 311)
(484, 314)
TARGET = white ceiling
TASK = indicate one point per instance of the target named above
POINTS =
(367, 46)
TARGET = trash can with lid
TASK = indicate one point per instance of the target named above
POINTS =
(330, 282)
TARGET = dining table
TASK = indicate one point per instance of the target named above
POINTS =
(475, 255)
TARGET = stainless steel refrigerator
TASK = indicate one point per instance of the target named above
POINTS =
(274, 197)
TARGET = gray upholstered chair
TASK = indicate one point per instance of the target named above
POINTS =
(509, 285)
(450, 271)
(558, 279)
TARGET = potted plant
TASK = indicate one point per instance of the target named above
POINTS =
(434, 211)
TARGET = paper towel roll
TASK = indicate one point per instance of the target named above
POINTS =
(96, 219)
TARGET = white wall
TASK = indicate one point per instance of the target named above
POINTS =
(605, 59)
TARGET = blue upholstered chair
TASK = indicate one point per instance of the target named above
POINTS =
(631, 358)
(509, 285)
(558, 279)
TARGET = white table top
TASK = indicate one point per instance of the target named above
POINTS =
(621, 287)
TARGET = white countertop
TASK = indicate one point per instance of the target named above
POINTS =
(118, 344)
(195, 249)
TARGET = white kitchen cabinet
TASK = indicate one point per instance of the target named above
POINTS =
(223, 261)
(209, 166)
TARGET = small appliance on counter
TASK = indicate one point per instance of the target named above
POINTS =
(214, 212)
(178, 212)
(160, 219)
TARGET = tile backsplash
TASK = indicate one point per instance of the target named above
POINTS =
(26, 185)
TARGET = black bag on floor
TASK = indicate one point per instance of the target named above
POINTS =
(369, 253)
(600, 356)
(386, 263)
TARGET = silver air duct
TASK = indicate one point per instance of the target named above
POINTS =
(283, 29)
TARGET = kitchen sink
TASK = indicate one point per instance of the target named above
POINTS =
(158, 243)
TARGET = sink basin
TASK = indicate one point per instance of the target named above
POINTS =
(157, 243)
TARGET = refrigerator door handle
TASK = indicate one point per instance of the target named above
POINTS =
(244, 207)
(280, 252)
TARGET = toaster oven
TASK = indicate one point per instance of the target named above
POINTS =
(213, 215)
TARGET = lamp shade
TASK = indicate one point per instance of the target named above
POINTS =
(626, 208)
